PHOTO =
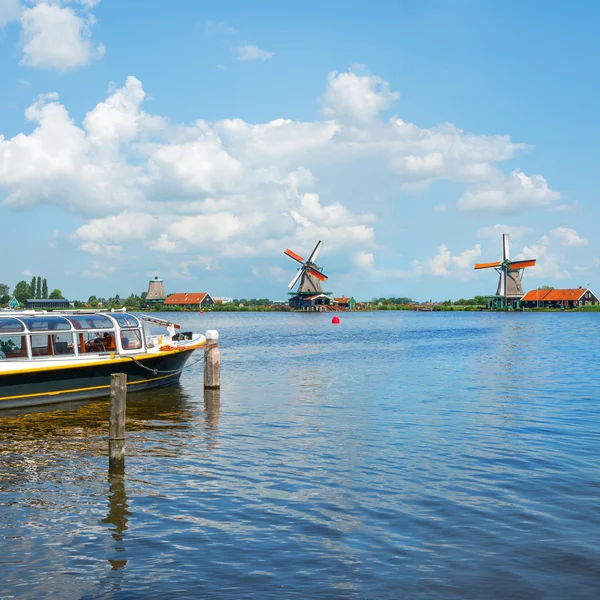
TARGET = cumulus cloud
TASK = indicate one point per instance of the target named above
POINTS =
(232, 188)
(445, 263)
(568, 237)
(248, 52)
(552, 255)
(364, 260)
(56, 36)
(513, 193)
(356, 98)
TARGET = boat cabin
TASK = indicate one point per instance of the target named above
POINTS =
(30, 336)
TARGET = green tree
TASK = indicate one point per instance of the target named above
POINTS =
(4, 289)
(21, 291)
(56, 295)
(93, 299)
(31, 289)
(38, 288)
(546, 287)
(44, 288)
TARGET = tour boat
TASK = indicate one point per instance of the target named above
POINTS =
(49, 357)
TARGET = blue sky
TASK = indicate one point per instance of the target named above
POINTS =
(197, 143)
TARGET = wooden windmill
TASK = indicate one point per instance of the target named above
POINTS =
(510, 290)
(309, 295)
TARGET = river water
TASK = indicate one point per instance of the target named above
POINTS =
(396, 455)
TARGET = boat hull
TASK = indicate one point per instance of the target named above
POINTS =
(79, 382)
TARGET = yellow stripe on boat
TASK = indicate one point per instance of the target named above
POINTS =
(88, 389)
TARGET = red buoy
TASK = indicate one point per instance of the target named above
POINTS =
(335, 320)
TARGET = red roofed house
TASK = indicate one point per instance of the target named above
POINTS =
(569, 298)
(190, 300)
(348, 303)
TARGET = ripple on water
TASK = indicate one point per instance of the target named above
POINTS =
(396, 455)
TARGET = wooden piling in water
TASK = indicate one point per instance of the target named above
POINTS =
(116, 438)
(212, 361)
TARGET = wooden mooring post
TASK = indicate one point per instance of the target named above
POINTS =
(212, 361)
(116, 438)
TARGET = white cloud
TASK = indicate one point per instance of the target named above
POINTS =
(10, 10)
(568, 237)
(248, 52)
(98, 249)
(356, 98)
(441, 208)
(515, 192)
(231, 188)
(445, 263)
(56, 37)
(549, 250)
(565, 207)
(364, 260)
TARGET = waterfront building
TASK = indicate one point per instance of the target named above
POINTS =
(190, 300)
(45, 303)
(348, 303)
(564, 298)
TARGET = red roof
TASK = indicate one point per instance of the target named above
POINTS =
(342, 300)
(188, 298)
(569, 295)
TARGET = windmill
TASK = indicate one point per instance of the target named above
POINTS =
(309, 295)
(510, 290)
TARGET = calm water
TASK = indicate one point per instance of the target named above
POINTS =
(397, 455)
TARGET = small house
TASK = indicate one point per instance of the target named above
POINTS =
(564, 298)
(347, 303)
(190, 300)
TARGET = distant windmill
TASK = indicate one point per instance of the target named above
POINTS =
(510, 290)
(310, 294)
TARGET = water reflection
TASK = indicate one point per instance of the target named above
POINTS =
(212, 413)
(118, 513)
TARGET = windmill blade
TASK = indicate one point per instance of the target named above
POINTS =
(295, 280)
(521, 264)
(313, 255)
(487, 265)
(317, 274)
(294, 256)
(505, 247)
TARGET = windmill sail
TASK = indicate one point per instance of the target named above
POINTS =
(309, 275)
(509, 284)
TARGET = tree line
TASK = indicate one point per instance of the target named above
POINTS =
(36, 289)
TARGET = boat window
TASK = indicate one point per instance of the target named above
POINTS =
(91, 322)
(46, 323)
(57, 344)
(148, 335)
(125, 320)
(131, 339)
(13, 346)
(91, 342)
(9, 325)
